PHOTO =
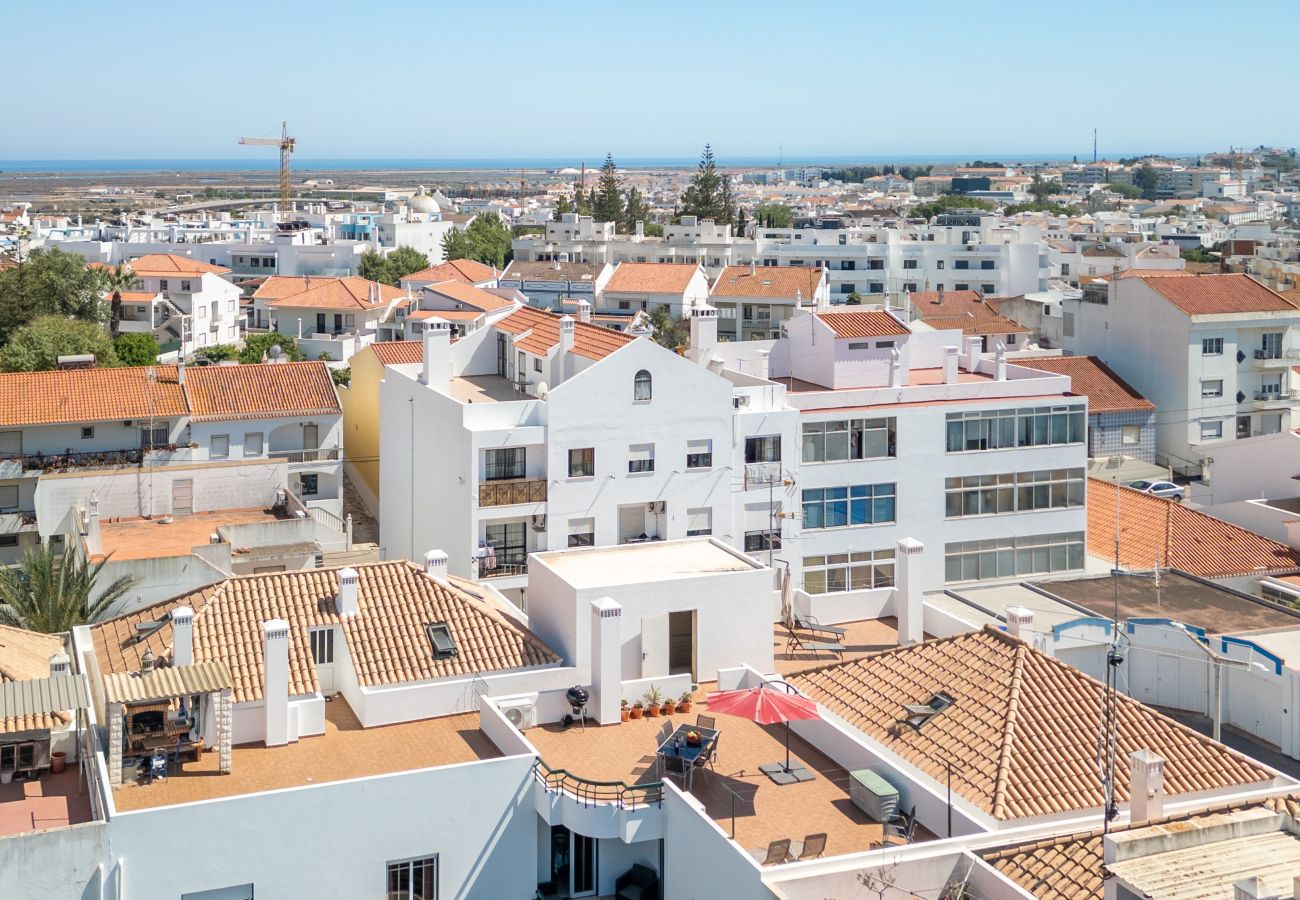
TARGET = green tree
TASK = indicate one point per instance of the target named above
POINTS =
(668, 332)
(774, 215)
(563, 206)
(118, 279)
(703, 196)
(50, 282)
(1040, 190)
(50, 592)
(256, 346)
(984, 164)
(402, 262)
(373, 266)
(608, 205)
(136, 348)
(342, 377)
(36, 346)
(489, 240)
(741, 222)
(634, 210)
(220, 352)
(457, 245)
(946, 202)
(1129, 191)
(1145, 179)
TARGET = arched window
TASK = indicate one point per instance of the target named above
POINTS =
(641, 386)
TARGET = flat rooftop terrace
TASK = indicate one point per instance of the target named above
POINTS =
(649, 561)
(140, 538)
(344, 751)
(485, 389)
(862, 638)
(915, 378)
(52, 801)
(1183, 599)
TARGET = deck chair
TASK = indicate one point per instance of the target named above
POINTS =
(901, 828)
(703, 721)
(665, 732)
(813, 846)
(675, 765)
(777, 852)
(795, 642)
(808, 623)
(158, 765)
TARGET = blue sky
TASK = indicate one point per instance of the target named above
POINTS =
(397, 79)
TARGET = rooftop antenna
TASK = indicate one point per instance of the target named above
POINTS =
(1094, 145)
(1110, 711)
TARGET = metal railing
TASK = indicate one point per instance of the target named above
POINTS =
(504, 570)
(597, 793)
(515, 490)
(319, 454)
(52, 462)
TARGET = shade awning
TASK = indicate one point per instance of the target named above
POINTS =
(168, 681)
(41, 696)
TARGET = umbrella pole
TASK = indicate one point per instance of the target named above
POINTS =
(787, 745)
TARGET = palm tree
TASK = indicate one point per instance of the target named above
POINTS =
(50, 591)
(117, 280)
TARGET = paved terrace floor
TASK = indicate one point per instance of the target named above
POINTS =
(485, 389)
(764, 811)
(860, 639)
(53, 801)
(345, 750)
(137, 538)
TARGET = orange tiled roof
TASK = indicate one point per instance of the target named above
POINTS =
(987, 324)
(948, 303)
(467, 270)
(770, 282)
(1151, 273)
(1089, 376)
(450, 315)
(1199, 295)
(872, 323)
(165, 264)
(651, 278)
(90, 395)
(24, 656)
(1022, 730)
(469, 294)
(541, 270)
(590, 341)
(1153, 529)
(261, 391)
(397, 353)
(350, 293)
(386, 638)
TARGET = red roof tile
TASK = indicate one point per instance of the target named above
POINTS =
(590, 341)
(90, 395)
(351, 293)
(873, 323)
(1089, 376)
(165, 264)
(466, 270)
(1199, 295)
(651, 278)
(398, 353)
(261, 391)
(770, 282)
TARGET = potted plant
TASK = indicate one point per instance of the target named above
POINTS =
(684, 702)
(625, 710)
(652, 700)
(668, 707)
(638, 708)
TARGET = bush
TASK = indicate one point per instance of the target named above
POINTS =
(342, 377)
(220, 352)
(256, 347)
(36, 346)
(136, 349)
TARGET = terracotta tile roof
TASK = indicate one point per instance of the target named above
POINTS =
(465, 270)
(397, 353)
(1022, 729)
(1070, 867)
(24, 656)
(542, 270)
(987, 324)
(948, 303)
(875, 323)
(261, 391)
(769, 282)
(90, 395)
(590, 341)
(469, 294)
(386, 639)
(651, 278)
(449, 315)
(1179, 537)
(165, 264)
(1199, 295)
(350, 293)
(133, 296)
(1089, 376)
(1151, 273)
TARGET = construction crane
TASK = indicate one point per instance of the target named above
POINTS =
(285, 143)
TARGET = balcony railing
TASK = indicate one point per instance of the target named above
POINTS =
(515, 490)
(320, 454)
(599, 793)
(102, 459)
(501, 570)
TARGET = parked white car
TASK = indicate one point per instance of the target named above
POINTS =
(1166, 489)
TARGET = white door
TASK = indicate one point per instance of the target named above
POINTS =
(182, 496)
(654, 646)
(322, 654)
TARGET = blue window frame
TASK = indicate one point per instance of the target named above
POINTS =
(858, 504)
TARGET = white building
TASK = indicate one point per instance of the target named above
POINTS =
(548, 284)
(334, 316)
(645, 286)
(753, 302)
(185, 302)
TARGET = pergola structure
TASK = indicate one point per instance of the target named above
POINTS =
(28, 707)
(182, 700)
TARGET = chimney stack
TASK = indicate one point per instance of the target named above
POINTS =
(60, 664)
(974, 350)
(349, 588)
(1001, 362)
(180, 371)
(566, 336)
(584, 311)
(950, 355)
(606, 659)
(753, 267)
(1146, 786)
(908, 605)
(275, 690)
(1020, 622)
(94, 538)
(704, 331)
(435, 565)
(437, 356)
(895, 368)
(182, 636)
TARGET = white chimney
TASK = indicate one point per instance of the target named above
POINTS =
(640, 229)
(1250, 889)
(950, 360)
(1001, 362)
(753, 267)
(349, 587)
(798, 298)
(908, 605)
(584, 311)
(94, 538)
(182, 636)
(566, 336)
(762, 364)
(606, 659)
(275, 685)
(435, 565)
(437, 356)
(180, 371)
(895, 368)
(704, 331)
(1020, 622)
(974, 349)
(60, 664)
(1146, 789)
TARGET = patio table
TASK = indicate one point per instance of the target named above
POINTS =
(675, 746)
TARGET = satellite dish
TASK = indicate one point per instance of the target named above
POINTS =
(274, 352)
(542, 390)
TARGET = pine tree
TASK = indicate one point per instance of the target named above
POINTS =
(634, 210)
(562, 206)
(726, 204)
(703, 195)
(741, 224)
(608, 203)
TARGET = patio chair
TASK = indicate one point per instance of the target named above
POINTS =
(703, 721)
(809, 623)
(676, 765)
(665, 732)
(812, 846)
(158, 765)
(796, 642)
(777, 852)
(902, 827)
(637, 883)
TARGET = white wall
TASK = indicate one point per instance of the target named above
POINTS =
(703, 863)
(61, 862)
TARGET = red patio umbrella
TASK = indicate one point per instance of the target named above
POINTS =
(765, 705)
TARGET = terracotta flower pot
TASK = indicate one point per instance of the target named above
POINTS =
(668, 708)
(58, 761)
(627, 713)
(684, 707)
(637, 712)
(652, 712)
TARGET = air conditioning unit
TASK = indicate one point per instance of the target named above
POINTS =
(521, 713)
(539, 523)
(742, 400)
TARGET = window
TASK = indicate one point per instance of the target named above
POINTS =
(220, 448)
(441, 641)
(640, 458)
(162, 284)
(1212, 346)
(1211, 431)
(9, 496)
(909, 264)
(988, 288)
(230, 307)
(349, 320)
(201, 312)
(699, 522)
(961, 286)
(506, 463)
(939, 264)
(910, 286)
(641, 386)
(155, 435)
(839, 572)
(413, 879)
(986, 495)
(1011, 557)
(1212, 388)
(537, 364)
(582, 462)
(762, 541)
(1132, 434)
(1065, 269)
(843, 439)
(87, 432)
(859, 504)
(509, 543)
(322, 646)
(1270, 346)
(986, 263)
(699, 454)
(582, 532)
(763, 449)
(961, 264)
(253, 443)
(998, 429)
(185, 286)
(310, 484)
